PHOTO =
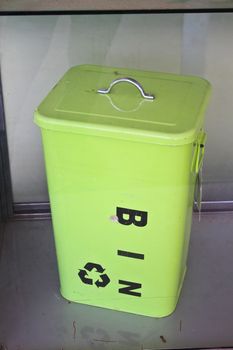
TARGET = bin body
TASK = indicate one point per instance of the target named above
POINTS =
(121, 200)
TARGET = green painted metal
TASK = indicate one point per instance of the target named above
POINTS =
(121, 175)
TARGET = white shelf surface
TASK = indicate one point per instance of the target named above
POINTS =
(33, 315)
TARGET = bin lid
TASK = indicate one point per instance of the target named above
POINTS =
(174, 117)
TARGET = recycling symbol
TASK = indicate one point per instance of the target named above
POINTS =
(103, 280)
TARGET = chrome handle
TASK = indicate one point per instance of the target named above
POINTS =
(127, 80)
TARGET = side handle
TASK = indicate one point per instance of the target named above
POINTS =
(197, 169)
(199, 152)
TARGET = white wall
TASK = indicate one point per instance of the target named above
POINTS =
(219, 70)
(208, 51)
(36, 51)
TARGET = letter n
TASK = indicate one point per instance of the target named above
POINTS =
(130, 288)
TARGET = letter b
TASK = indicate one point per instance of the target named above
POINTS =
(131, 217)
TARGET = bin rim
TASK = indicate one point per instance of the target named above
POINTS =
(120, 133)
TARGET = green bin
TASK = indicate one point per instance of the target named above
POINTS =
(123, 149)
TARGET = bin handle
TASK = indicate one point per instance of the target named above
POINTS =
(197, 167)
(127, 80)
(200, 151)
